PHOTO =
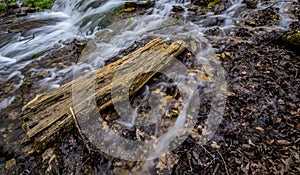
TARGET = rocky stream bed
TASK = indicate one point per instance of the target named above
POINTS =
(259, 132)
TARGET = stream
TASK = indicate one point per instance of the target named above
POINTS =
(31, 39)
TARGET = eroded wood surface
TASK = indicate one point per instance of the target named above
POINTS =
(49, 114)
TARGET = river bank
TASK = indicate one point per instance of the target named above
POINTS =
(259, 132)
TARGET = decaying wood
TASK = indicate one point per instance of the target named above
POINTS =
(78, 128)
(49, 114)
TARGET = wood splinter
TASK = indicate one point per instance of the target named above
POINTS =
(79, 130)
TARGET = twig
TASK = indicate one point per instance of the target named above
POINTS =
(79, 130)
(207, 151)
(229, 146)
(223, 162)
(216, 169)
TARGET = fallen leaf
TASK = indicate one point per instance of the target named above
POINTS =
(259, 128)
(250, 142)
(223, 56)
(271, 141)
(283, 142)
(215, 145)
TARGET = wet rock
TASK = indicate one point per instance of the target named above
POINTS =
(130, 9)
(215, 31)
(251, 3)
(206, 3)
(12, 6)
(130, 5)
(212, 22)
(146, 4)
(28, 9)
(215, 7)
(142, 8)
(79, 43)
(5, 38)
(177, 8)
(194, 11)
(139, 4)
(201, 2)
(218, 8)
(21, 14)
(25, 26)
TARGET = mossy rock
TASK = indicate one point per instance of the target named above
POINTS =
(212, 4)
(293, 40)
(36, 55)
(206, 3)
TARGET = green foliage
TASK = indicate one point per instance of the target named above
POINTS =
(30, 3)
(45, 4)
(293, 39)
(3, 7)
(13, 1)
(40, 4)
(212, 4)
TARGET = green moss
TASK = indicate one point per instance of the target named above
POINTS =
(293, 39)
(212, 4)
(38, 146)
(121, 11)
(26, 84)
(3, 7)
(36, 55)
(40, 4)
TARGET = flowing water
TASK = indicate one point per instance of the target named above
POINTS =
(88, 19)
(82, 19)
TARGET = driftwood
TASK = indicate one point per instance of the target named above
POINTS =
(49, 114)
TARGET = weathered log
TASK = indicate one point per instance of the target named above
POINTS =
(49, 114)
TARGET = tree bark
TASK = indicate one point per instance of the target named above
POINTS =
(49, 114)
